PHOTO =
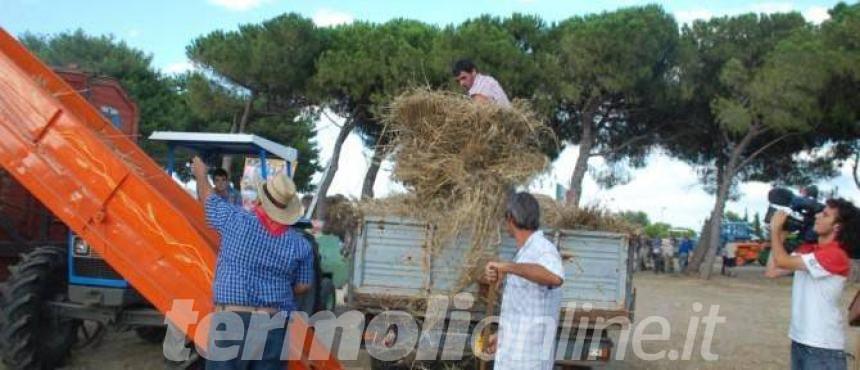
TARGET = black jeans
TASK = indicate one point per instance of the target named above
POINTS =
(804, 357)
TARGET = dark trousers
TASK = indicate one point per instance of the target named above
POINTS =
(804, 357)
(659, 263)
(271, 349)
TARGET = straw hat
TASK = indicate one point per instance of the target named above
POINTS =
(279, 199)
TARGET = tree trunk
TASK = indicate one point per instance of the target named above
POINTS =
(373, 170)
(328, 177)
(698, 253)
(713, 241)
(725, 173)
(227, 161)
(574, 192)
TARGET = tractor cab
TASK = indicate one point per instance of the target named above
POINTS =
(98, 294)
(262, 157)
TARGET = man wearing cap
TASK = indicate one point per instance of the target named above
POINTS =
(262, 265)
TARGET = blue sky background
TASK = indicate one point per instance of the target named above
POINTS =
(667, 189)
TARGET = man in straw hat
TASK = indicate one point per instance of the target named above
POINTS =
(262, 265)
(531, 297)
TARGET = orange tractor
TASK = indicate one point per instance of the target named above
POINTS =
(747, 252)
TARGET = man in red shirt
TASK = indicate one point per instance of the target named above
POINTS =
(817, 328)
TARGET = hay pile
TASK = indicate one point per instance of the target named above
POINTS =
(341, 217)
(460, 160)
(557, 215)
(399, 205)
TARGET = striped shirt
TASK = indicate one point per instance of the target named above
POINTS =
(256, 268)
(489, 87)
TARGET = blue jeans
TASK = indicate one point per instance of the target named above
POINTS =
(271, 349)
(804, 357)
(683, 258)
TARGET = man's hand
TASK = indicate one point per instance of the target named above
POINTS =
(300, 289)
(780, 258)
(494, 272)
(198, 168)
(777, 223)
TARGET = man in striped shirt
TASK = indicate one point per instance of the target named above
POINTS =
(481, 87)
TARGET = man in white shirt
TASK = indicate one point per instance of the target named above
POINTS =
(481, 87)
(531, 297)
(820, 271)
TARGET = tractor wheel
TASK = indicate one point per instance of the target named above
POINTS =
(34, 337)
(151, 334)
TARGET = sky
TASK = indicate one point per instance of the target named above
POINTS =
(667, 189)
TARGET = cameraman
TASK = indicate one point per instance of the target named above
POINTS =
(820, 271)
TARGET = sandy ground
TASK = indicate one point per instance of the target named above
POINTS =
(753, 336)
(756, 311)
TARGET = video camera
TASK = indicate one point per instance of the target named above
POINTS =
(806, 205)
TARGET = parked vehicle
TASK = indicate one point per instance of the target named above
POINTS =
(391, 267)
(140, 242)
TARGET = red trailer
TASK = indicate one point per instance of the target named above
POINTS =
(24, 221)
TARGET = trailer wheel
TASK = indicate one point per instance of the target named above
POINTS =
(151, 334)
(34, 337)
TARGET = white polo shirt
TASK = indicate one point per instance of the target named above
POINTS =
(817, 319)
(489, 87)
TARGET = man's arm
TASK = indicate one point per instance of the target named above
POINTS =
(781, 258)
(300, 288)
(305, 273)
(772, 271)
(481, 98)
(204, 189)
(530, 271)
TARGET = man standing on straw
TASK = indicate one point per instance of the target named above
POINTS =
(531, 297)
(481, 87)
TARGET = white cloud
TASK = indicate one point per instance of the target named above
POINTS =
(239, 5)
(688, 16)
(327, 17)
(772, 7)
(178, 67)
(133, 33)
(816, 14)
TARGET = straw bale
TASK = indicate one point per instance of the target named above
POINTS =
(460, 160)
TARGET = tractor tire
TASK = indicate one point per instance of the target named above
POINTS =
(151, 334)
(328, 295)
(32, 336)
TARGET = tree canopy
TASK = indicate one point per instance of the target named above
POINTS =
(764, 97)
(606, 75)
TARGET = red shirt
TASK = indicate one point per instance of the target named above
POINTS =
(830, 256)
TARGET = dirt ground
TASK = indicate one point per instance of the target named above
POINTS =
(756, 312)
